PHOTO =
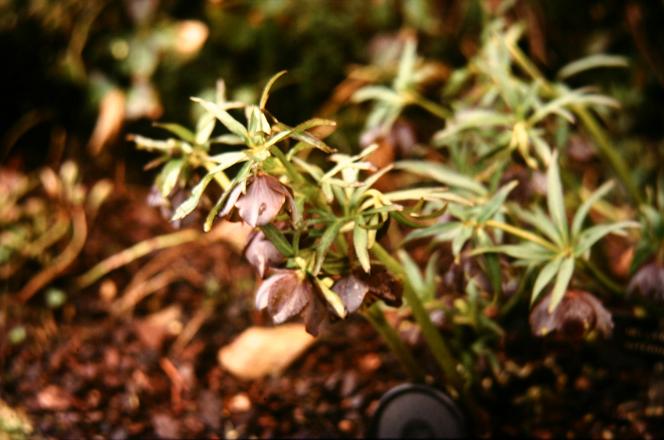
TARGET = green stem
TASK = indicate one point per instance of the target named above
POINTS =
(219, 176)
(602, 278)
(375, 316)
(607, 150)
(429, 106)
(294, 174)
(431, 334)
(522, 234)
(516, 298)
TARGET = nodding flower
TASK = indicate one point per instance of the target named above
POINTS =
(578, 314)
(287, 293)
(648, 282)
(261, 202)
(359, 287)
(262, 254)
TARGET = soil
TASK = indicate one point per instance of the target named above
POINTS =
(85, 371)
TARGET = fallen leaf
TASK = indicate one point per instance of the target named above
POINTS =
(261, 351)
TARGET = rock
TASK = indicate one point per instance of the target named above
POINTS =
(261, 351)
(239, 403)
(54, 398)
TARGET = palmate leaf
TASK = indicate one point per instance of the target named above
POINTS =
(545, 276)
(492, 262)
(541, 147)
(168, 177)
(239, 179)
(145, 143)
(591, 62)
(192, 201)
(446, 230)
(460, 239)
(219, 112)
(472, 119)
(562, 281)
(313, 170)
(379, 93)
(406, 65)
(569, 98)
(204, 128)
(256, 121)
(527, 252)
(554, 199)
(592, 235)
(325, 242)
(227, 139)
(278, 239)
(266, 90)
(537, 218)
(227, 160)
(332, 297)
(299, 132)
(361, 245)
(435, 194)
(182, 132)
(414, 276)
(490, 208)
(441, 174)
(583, 210)
(368, 183)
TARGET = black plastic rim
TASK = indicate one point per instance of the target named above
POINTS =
(449, 410)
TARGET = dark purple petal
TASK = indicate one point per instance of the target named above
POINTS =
(285, 294)
(648, 282)
(262, 202)
(262, 254)
(316, 316)
(279, 282)
(383, 285)
(577, 314)
(155, 199)
(603, 319)
(232, 199)
(286, 303)
(404, 136)
(352, 291)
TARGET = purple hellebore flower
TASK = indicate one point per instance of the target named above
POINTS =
(261, 202)
(578, 313)
(262, 254)
(285, 294)
(358, 287)
(648, 282)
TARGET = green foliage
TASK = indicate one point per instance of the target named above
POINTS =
(453, 194)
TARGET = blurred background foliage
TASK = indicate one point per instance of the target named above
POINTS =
(79, 75)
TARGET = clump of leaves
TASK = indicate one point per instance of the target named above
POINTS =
(333, 217)
(320, 217)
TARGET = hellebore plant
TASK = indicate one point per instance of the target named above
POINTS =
(329, 242)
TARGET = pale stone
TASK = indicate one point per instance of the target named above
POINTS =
(261, 351)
